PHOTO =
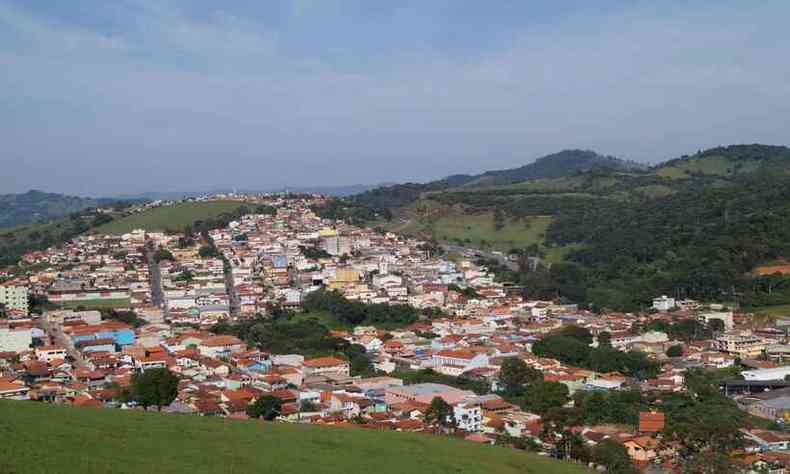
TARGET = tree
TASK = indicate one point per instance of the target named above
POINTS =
(579, 333)
(440, 414)
(614, 456)
(207, 251)
(515, 373)
(716, 325)
(710, 463)
(164, 254)
(308, 406)
(154, 387)
(543, 396)
(605, 339)
(359, 360)
(267, 407)
(186, 276)
(675, 351)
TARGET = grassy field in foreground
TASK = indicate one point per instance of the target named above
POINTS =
(174, 217)
(38, 438)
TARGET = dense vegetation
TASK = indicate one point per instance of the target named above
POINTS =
(282, 333)
(692, 227)
(41, 439)
(38, 207)
(190, 217)
(564, 163)
(355, 312)
(17, 241)
(355, 214)
(571, 346)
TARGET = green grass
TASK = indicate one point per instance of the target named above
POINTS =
(474, 229)
(709, 165)
(559, 253)
(772, 311)
(97, 304)
(480, 227)
(174, 217)
(39, 438)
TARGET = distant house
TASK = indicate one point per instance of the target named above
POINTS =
(641, 449)
(13, 390)
(456, 362)
(326, 365)
(651, 421)
(216, 346)
(663, 303)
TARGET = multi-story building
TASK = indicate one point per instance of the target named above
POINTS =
(326, 365)
(15, 339)
(663, 303)
(14, 297)
(740, 344)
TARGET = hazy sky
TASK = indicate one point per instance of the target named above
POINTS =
(105, 97)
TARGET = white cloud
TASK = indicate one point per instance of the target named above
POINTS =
(185, 96)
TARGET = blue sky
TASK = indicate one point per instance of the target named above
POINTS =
(100, 98)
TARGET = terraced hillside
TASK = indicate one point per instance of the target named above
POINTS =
(40, 438)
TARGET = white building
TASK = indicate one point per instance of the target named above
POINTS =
(777, 373)
(13, 339)
(468, 416)
(456, 362)
(14, 297)
(664, 303)
(724, 316)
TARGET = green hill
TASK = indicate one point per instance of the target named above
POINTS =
(691, 227)
(36, 207)
(557, 165)
(40, 438)
(731, 161)
(174, 217)
(16, 241)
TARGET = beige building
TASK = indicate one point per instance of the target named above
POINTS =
(14, 297)
(742, 344)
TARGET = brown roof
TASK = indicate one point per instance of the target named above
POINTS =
(651, 421)
(324, 362)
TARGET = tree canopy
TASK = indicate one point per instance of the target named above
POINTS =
(155, 387)
(267, 407)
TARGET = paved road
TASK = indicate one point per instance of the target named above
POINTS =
(483, 253)
(155, 275)
(233, 296)
(55, 331)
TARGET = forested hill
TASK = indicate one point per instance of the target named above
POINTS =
(36, 206)
(727, 162)
(564, 163)
(696, 226)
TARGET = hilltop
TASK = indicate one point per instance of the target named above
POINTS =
(37, 206)
(694, 226)
(564, 163)
(41, 439)
(16, 241)
(172, 217)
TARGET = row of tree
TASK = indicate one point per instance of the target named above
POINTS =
(571, 345)
(355, 312)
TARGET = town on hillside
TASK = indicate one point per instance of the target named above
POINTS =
(285, 316)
